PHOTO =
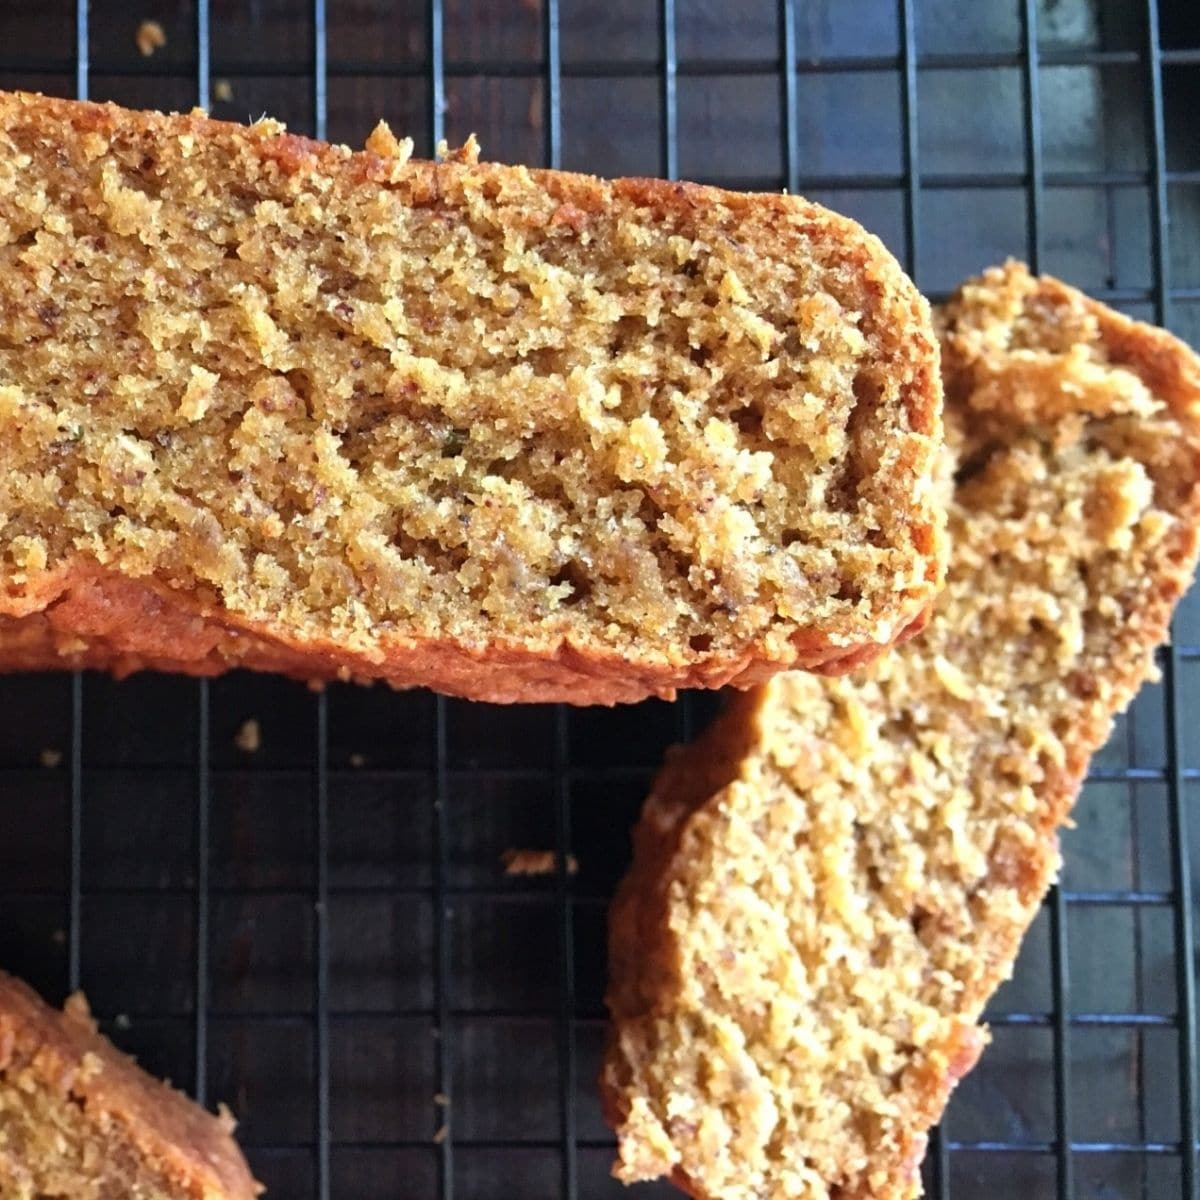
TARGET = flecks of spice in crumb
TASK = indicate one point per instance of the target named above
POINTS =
(535, 862)
(150, 37)
(50, 758)
(249, 737)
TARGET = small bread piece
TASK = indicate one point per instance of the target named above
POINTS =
(828, 886)
(511, 434)
(80, 1121)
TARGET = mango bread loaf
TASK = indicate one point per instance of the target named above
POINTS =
(831, 883)
(512, 434)
(79, 1121)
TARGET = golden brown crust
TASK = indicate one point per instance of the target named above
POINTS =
(139, 540)
(125, 1126)
(110, 623)
(862, 856)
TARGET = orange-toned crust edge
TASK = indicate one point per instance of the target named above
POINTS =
(93, 619)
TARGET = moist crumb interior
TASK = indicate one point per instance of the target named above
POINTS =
(50, 1149)
(444, 404)
(852, 862)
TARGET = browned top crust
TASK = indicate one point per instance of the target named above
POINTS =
(80, 1120)
(828, 887)
(513, 434)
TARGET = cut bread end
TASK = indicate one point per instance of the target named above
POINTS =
(79, 1121)
(828, 887)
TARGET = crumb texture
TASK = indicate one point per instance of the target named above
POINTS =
(828, 887)
(363, 402)
(79, 1121)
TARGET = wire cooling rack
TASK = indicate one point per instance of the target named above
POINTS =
(297, 904)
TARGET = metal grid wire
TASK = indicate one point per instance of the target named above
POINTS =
(319, 931)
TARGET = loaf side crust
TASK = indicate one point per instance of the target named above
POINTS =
(106, 622)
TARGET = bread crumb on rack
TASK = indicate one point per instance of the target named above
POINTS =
(248, 738)
(50, 758)
(150, 36)
(534, 115)
(535, 862)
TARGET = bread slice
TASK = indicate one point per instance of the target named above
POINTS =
(831, 883)
(511, 434)
(79, 1121)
